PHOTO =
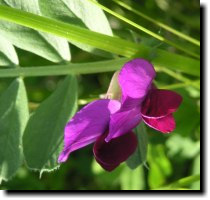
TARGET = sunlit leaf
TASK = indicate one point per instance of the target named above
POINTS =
(50, 47)
(8, 54)
(80, 13)
(182, 147)
(13, 117)
(43, 137)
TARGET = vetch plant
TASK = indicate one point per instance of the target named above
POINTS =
(56, 62)
(109, 122)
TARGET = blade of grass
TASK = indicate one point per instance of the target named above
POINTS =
(160, 24)
(179, 77)
(181, 182)
(111, 44)
(71, 32)
(178, 85)
(159, 37)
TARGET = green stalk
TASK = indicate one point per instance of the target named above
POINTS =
(82, 68)
(162, 39)
(160, 24)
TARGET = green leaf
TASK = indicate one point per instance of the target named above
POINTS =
(115, 45)
(80, 13)
(132, 179)
(13, 118)
(140, 155)
(50, 47)
(8, 54)
(43, 137)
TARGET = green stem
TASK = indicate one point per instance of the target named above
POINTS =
(145, 30)
(82, 68)
(179, 85)
(160, 24)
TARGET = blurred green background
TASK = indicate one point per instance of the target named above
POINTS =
(170, 157)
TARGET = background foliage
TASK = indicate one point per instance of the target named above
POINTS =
(56, 76)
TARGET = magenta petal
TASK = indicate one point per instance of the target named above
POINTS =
(122, 122)
(87, 125)
(160, 103)
(164, 124)
(135, 80)
(110, 155)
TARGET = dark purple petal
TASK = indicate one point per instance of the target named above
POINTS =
(87, 125)
(164, 124)
(135, 80)
(160, 103)
(123, 122)
(110, 155)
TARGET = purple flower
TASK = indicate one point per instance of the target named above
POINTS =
(109, 123)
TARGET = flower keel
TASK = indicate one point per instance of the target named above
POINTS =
(110, 155)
